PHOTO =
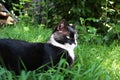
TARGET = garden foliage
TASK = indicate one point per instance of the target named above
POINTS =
(98, 21)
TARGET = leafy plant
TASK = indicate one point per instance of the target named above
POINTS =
(89, 33)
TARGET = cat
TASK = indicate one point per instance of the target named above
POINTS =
(16, 55)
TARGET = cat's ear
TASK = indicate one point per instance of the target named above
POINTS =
(62, 26)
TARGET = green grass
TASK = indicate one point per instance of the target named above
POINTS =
(93, 61)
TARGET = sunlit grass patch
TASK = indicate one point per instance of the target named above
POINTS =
(112, 62)
(29, 33)
(98, 62)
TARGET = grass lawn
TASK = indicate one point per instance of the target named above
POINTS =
(93, 61)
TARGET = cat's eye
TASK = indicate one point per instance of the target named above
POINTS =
(68, 37)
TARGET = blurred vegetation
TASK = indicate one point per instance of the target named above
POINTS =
(98, 21)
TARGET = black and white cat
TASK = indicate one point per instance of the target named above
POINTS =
(15, 53)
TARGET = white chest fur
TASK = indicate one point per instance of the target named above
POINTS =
(67, 46)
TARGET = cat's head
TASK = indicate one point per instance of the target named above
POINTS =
(64, 36)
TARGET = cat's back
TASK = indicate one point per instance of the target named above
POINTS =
(12, 41)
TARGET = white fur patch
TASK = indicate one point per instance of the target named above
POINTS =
(67, 46)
